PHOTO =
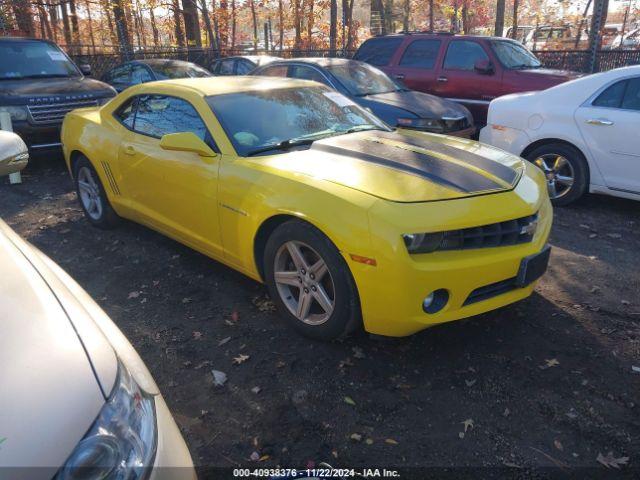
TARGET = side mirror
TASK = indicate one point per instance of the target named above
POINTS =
(14, 154)
(484, 67)
(186, 142)
(85, 68)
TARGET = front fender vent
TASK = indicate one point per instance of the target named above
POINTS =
(112, 180)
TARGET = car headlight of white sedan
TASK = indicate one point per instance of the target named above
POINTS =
(121, 443)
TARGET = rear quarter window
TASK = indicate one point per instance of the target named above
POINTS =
(378, 51)
(421, 54)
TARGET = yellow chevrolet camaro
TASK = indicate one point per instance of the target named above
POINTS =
(347, 221)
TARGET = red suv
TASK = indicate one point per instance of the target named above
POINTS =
(472, 70)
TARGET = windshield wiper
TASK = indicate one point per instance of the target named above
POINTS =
(361, 128)
(283, 145)
(524, 66)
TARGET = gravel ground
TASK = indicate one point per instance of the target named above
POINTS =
(547, 382)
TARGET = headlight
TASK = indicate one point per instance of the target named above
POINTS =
(422, 242)
(121, 443)
(16, 113)
(430, 124)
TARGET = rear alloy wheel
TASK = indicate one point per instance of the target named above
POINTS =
(310, 282)
(565, 169)
(92, 196)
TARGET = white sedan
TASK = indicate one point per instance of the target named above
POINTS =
(584, 134)
(76, 400)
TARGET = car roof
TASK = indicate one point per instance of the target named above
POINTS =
(437, 34)
(160, 61)
(207, 86)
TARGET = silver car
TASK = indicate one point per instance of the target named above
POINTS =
(76, 400)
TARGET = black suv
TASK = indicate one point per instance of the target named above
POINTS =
(39, 84)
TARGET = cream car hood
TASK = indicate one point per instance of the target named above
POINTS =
(52, 389)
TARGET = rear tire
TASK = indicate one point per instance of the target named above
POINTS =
(310, 282)
(92, 197)
(566, 170)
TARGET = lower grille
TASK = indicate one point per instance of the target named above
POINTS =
(55, 112)
(490, 291)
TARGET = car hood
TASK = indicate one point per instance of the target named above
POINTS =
(421, 104)
(50, 393)
(53, 89)
(406, 166)
(547, 76)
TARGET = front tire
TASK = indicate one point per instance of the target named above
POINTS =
(92, 197)
(566, 171)
(310, 282)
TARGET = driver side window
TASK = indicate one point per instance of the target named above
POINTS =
(463, 55)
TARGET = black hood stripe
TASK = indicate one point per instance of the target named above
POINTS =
(503, 172)
(442, 172)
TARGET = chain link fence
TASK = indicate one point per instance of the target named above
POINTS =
(575, 60)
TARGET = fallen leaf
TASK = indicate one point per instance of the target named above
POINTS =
(356, 437)
(611, 461)
(468, 423)
(470, 383)
(390, 441)
(358, 353)
(264, 457)
(240, 359)
(186, 300)
(197, 335)
(558, 445)
(549, 363)
(614, 235)
(219, 378)
(349, 401)
(369, 441)
(255, 456)
(625, 302)
(223, 341)
(635, 369)
(256, 390)
(235, 316)
(133, 295)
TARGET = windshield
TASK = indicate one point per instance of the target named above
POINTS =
(179, 70)
(33, 59)
(287, 114)
(361, 79)
(513, 55)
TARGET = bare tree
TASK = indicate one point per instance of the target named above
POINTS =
(333, 26)
(177, 24)
(514, 28)
(191, 23)
(254, 18)
(24, 17)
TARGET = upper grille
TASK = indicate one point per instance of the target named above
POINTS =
(511, 232)
(55, 112)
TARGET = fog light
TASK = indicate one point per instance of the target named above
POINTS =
(435, 301)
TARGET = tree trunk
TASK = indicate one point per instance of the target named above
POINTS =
(254, 18)
(406, 13)
(297, 24)
(281, 24)
(431, 2)
(112, 31)
(598, 21)
(121, 28)
(222, 16)
(234, 21)
(24, 17)
(90, 22)
(499, 29)
(154, 27)
(514, 28)
(207, 23)
(177, 24)
(350, 26)
(53, 15)
(466, 27)
(333, 27)
(75, 27)
(310, 22)
(191, 23)
(65, 23)
(48, 32)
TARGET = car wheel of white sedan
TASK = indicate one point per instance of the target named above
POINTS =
(310, 282)
(565, 169)
(92, 196)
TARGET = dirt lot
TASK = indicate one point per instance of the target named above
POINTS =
(547, 382)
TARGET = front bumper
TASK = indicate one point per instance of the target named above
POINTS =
(173, 461)
(509, 139)
(392, 292)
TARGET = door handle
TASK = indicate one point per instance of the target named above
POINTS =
(600, 121)
(399, 76)
(443, 79)
(129, 150)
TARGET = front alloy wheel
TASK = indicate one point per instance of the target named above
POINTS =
(89, 193)
(304, 283)
(310, 282)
